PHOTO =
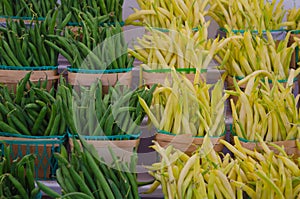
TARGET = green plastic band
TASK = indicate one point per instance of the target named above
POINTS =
(253, 31)
(240, 138)
(111, 137)
(87, 71)
(167, 30)
(32, 142)
(295, 31)
(168, 133)
(5, 134)
(80, 24)
(270, 81)
(167, 70)
(24, 18)
(28, 67)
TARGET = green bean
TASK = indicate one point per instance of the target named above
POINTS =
(18, 186)
(82, 186)
(47, 190)
(90, 181)
(20, 126)
(21, 88)
(29, 176)
(99, 175)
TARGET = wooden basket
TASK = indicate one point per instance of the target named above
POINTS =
(108, 79)
(295, 57)
(121, 147)
(151, 77)
(278, 35)
(230, 85)
(26, 20)
(45, 164)
(290, 146)
(12, 77)
(186, 142)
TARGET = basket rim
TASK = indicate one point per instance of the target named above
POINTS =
(80, 24)
(6, 134)
(294, 31)
(270, 81)
(167, 70)
(172, 134)
(34, 68)
(252, 31)
(195, 29)
(23, 18)
(107, 138)
(250, 141)
(108, 71)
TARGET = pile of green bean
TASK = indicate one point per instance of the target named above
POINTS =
(33, 110)
(87, 176)
(91, 46)
(116, 113)
(107, 10)
(16, 176)
(27, 8)
(23, 45)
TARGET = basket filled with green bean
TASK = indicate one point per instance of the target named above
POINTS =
(17, 180)
(42, 147)
(88, 175)
(23, 50)
(106, 11)
(95, 53)
(111, 119)
(32, 122)
(26, 8)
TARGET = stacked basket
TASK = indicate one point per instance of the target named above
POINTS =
(171, 41)
(99, 74)
(83, 131)
(260, 56)
(29, 81)
(175, 52)
(264, 112)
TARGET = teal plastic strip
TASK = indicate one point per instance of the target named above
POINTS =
(122, 23)
(23, 18)
(112, 137)
(167, 30)
(33, 142)
(295, 31)
(5, 134)
(253, 31)
(240, 138)
(167, 70)
(162, 29)
(28, 67)
(87, 71)
(168, 133)
(270, 81)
